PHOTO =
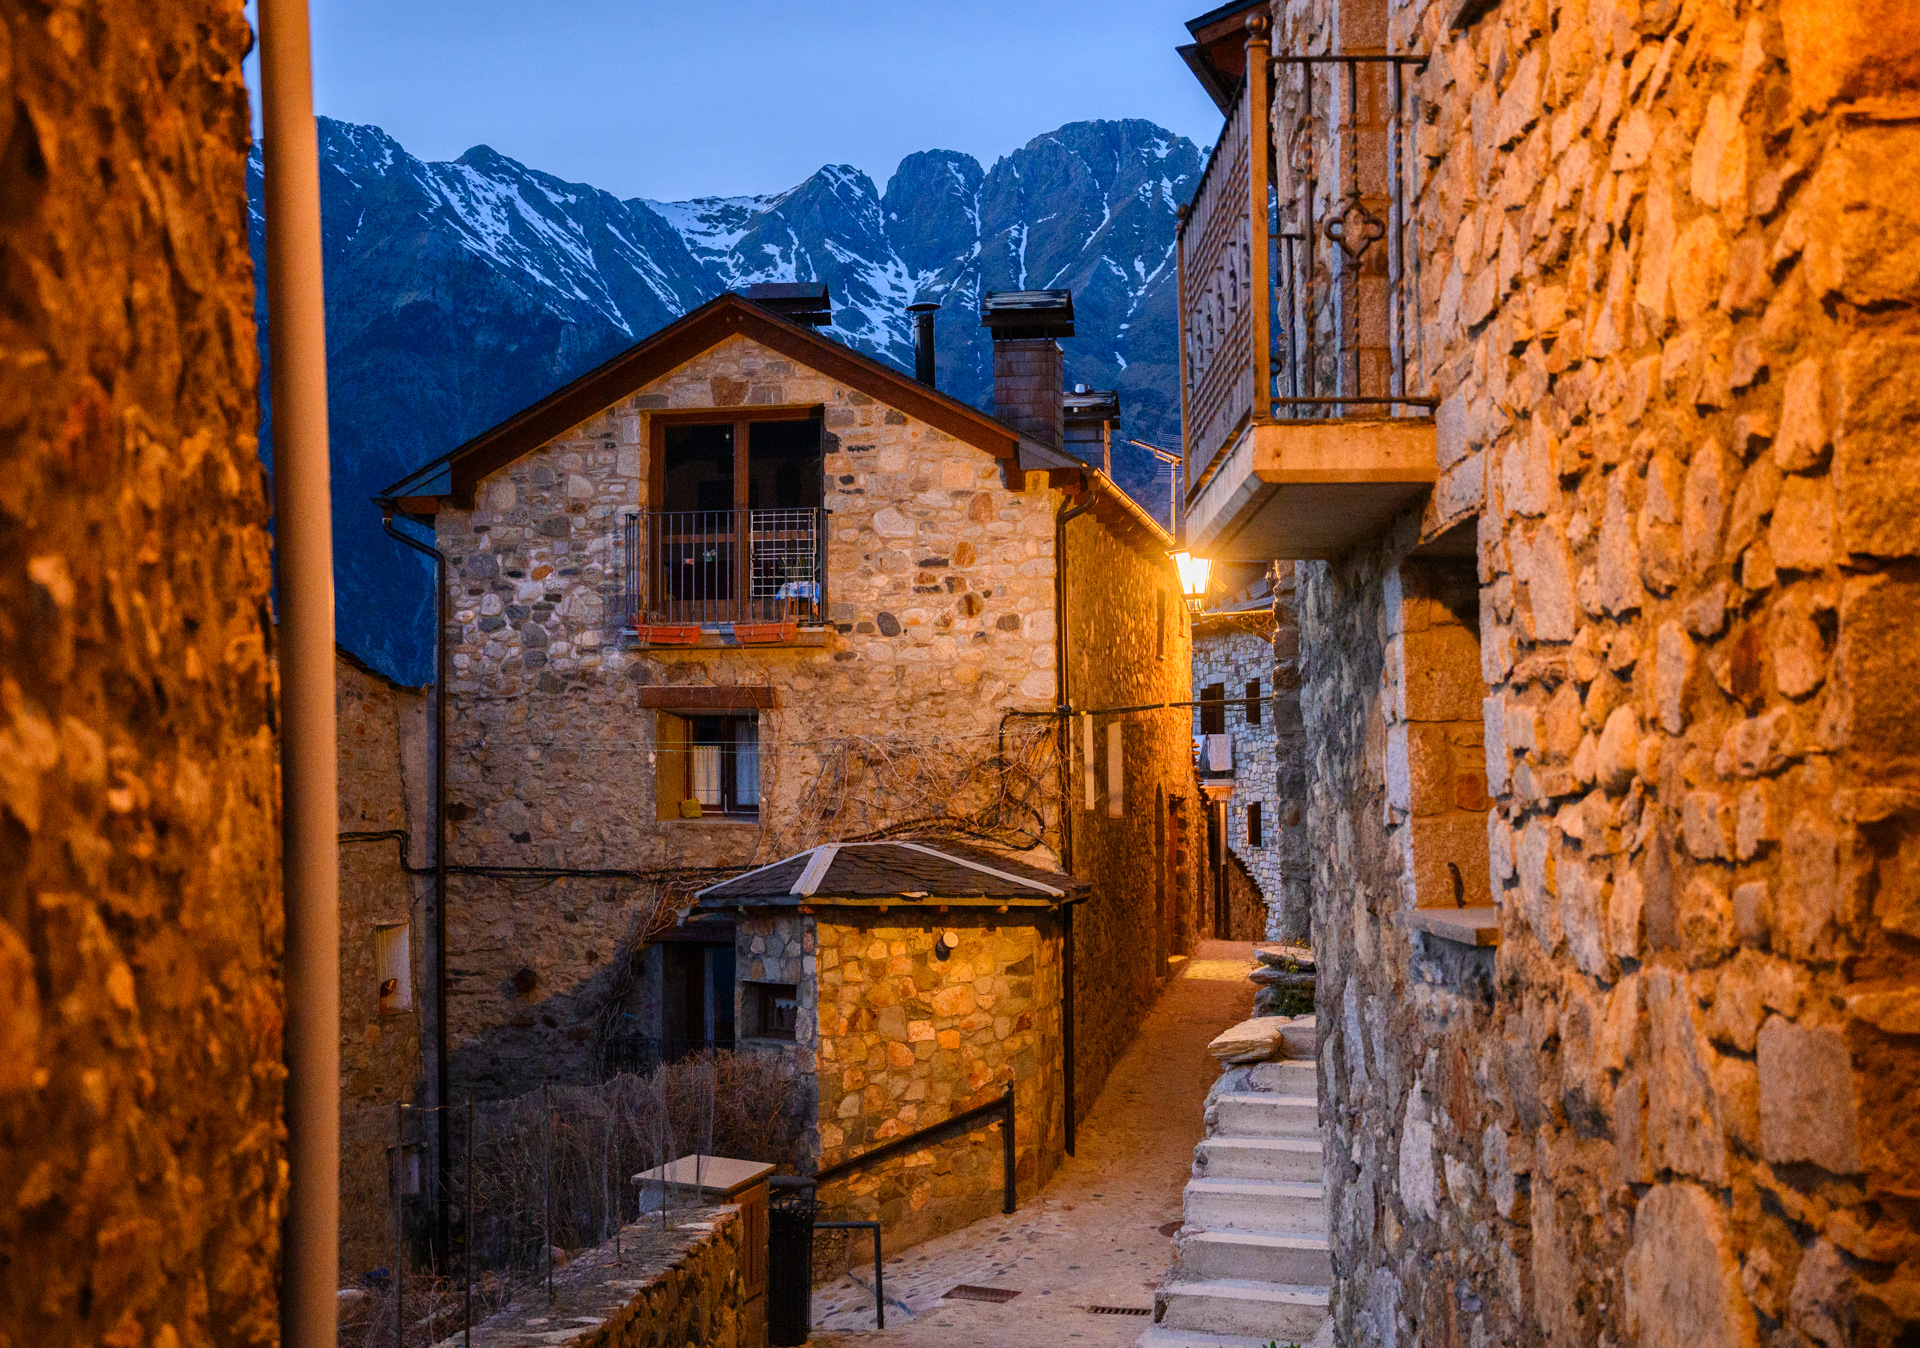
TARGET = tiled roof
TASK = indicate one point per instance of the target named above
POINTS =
(901, 869)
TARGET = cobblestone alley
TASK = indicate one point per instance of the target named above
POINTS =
(1094, 1237)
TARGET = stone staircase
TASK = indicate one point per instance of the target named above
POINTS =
(1252, 1267)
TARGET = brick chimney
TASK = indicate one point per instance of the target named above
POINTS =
(1029, 369)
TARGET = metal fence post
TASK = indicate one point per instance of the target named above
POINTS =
(546, 1182)
(399, 1224)
(1006, 1145)
(467, 1235)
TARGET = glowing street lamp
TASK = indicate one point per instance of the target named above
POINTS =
(1195, 572)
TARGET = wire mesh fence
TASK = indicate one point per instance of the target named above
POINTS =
(533, 1179)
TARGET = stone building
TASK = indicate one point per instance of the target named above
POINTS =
(741, 591)
(141, 1008)
(386, 893)
(906, 982)
(1248, 740)
(1578, 385)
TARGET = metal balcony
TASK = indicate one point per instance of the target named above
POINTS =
(719, 569)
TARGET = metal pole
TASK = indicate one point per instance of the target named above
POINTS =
(303, 544)
(399, 1225)
(879, 1293)
(1006, 1145)
(467, 1235)
(1066, 1012)
(546, 1182)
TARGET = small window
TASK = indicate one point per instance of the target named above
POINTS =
(707, 764)
(393, 968)
(771, 1010)
(1253, 824)
(1253, 702)
(1213, 709)
(1116, 770)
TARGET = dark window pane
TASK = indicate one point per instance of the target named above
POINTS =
(1253, 824)
(1253, 702)
(783, 465)
(1213, 709)
(698, 468)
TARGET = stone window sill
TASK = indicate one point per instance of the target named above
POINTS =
(1463, 926)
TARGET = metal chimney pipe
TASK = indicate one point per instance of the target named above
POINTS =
(923, 340)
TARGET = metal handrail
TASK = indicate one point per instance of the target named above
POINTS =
(957, 1123)
(879, 1297)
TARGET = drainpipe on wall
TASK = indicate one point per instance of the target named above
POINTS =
(442, 1114)
(309, 794)
(1064, 715)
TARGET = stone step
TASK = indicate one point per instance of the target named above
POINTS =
(1259, 1114)
(1157, 1337)
(1289, 1076)
(1299, 1258)
(1254, 1205)
(1268, 1158)
(1281, 1312)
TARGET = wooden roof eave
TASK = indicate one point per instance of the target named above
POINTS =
(458, 473)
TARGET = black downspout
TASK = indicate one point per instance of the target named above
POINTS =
(442, 1114)
(1065, 714)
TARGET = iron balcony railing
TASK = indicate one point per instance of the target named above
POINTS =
(725, 566)
(1295, 302)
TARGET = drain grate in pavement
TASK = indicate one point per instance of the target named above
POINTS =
(968, 1292)
(1118, 1310)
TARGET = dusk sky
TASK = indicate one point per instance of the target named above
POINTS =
(670, 101)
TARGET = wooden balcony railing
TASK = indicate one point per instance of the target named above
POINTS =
(1294, 298)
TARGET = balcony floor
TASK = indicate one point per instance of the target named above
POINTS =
(1301, 490)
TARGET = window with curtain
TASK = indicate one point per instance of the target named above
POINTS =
(723, 763)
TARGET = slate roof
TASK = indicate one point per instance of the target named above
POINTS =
(894, 871)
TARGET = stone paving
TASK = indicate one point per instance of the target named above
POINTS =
(1094, 1236)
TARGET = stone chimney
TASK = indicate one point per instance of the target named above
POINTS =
(1029, 369)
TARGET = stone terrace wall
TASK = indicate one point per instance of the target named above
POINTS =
(651, 1289)
(907, 1039)
(385, 784)
(1668, 264)
(140, 925)
(1128, 643)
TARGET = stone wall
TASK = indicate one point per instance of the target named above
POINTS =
(1295, 906)
(1236, 652)
(907, 1039)
(1665, 254)
(1145, 849)
(651, 1288)
(140, 928)
(385, 788)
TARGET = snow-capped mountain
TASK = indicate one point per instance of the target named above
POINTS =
(458, 293)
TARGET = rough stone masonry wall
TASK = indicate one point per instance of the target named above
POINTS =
(907, 1039)
(1128, 643)
(941, 590)
(649, 1288)
(140, 999)
(385, 785)
(1668, 256)
(1295, 905)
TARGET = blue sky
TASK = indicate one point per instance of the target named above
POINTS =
(670, 101)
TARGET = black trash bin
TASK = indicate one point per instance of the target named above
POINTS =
(790, 1217)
